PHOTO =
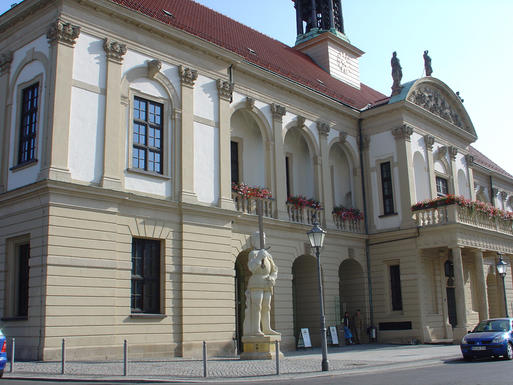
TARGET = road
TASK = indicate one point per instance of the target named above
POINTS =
(452, 372)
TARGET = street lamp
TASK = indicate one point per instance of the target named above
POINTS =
(316, 237)
(501, 269)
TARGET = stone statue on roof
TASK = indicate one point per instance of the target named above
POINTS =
(397, 74)
(427, 64)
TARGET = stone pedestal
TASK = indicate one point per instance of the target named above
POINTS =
(260, 347)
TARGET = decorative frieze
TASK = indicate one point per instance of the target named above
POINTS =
(250, 103)
(278, 111)
(403, 133)
(154, 67)
(225, 89)
(114, 50)
(429, 141)
(5, 62)
(323, 128)
(432, 100)
(187, 76)
(62, 32)
(453, 151)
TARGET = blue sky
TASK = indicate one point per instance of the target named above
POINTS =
(469, 41)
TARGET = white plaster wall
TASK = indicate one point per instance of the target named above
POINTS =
(147, 184)
(237, 98)
(149, 87)
(302, 168)
(206, 163)
(86, 137)
(89, 60)
(440, 167)
(133, 59)
(266, 111)
(29, 174)
(417, 143)
(206, 99)
(251, 147)
(312, 127)
(342, 182)
(381, 146)
(39, 45)
(463, 182)
(343, 65)
(421, 177)
(171, 72)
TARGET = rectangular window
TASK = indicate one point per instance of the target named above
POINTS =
(287, 175)
(145, 297)
(234, 148)
(17, 276)
(147, 151)
(28, 124)
(386, 188)
(442, 188)
(395, 287)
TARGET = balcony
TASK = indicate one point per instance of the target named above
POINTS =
(304, 214)
(349, 225)
(248, 204)
(476, 214)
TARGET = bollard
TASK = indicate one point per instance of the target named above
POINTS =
(11, 369)
(63, 356)
(204, 359)
(277, 346)
(125, 358)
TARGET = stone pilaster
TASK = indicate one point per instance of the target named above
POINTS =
(369, 209)
(453, 152)
(429, 141)
(326, 188)
(279, 187)
(187, 76)
(461, 312)
(225, 91)
(469, 160)
(54, 162)
(113, 134)
(406, 180)
(5, 65)
(482, 293)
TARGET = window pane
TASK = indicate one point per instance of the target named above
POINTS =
(28, 124)
(23, 280)
(145, 290)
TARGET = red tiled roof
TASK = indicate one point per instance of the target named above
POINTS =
(484, 161)
(269, 54)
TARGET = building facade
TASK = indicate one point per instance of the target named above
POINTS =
(137, 137)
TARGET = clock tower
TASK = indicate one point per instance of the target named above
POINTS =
(320, 34)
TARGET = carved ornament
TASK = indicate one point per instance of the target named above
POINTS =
(187, 76)
(403, 133)
(495, 191)
(62, 32)
(432, 100)
(503, 195)
(469, 159)
(278, 111)
(300, 121)
(429, 140)
(250, 103)
(154, 67)
(323, 128)
(225, 89)
(342, 136)
(453, 151)
(114, 50)
(5, 62)
(365, 143)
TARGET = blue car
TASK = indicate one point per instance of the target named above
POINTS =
(3, 353)
(490, 338)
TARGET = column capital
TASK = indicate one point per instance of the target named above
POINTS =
(278, 111)
(5, 62)
(403, 133)
(453, 151)
(187, 76)
(429, 140)
(469, 159)
(342, 136)
(154, 67)
(365, 142)
(224, 89)
(323, 128)
(250, 103)
(62, 32)
(300, 121)
(503, 195)
(114, 50)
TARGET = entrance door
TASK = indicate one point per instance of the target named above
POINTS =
(451, 306)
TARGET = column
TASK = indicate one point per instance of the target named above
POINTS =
(224, 90)
(299, 19)
(429, 141)
(326, 188)
(5, 65)
(113, 143)
(188, 77)
(280, 186)
(461, 311)
(406, 180)
(54, 163)
(366, 176)
(469, 160)
(481, 285)
(453, 151)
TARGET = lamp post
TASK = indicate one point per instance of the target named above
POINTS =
(316, 237)
(501, 269)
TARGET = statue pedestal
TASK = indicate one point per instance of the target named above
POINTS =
(260, 347)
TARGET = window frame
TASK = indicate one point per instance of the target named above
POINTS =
(240, 165)
(396, 302)
(446, 180)
(156, 306)
(289, 174)
(382, 188)
(13, 279)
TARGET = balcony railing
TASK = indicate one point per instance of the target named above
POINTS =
(457, 214)
(347, 224)
(248, 204)
(305, 215)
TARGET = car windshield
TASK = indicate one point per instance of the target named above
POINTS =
(492, 326)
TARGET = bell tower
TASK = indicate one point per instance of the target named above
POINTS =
(321, 35)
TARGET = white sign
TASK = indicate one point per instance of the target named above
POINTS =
(334, 335)
(306, 337)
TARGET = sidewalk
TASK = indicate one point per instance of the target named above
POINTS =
(301, 364)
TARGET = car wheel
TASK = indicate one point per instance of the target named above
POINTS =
(509, 352)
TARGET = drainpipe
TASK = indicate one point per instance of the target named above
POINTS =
(366, 225)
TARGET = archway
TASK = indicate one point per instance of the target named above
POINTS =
(242, 275)
(299, 168)
(341, 177)
(305, 293)
(352, 292)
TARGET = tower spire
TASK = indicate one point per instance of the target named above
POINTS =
(320, 16)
